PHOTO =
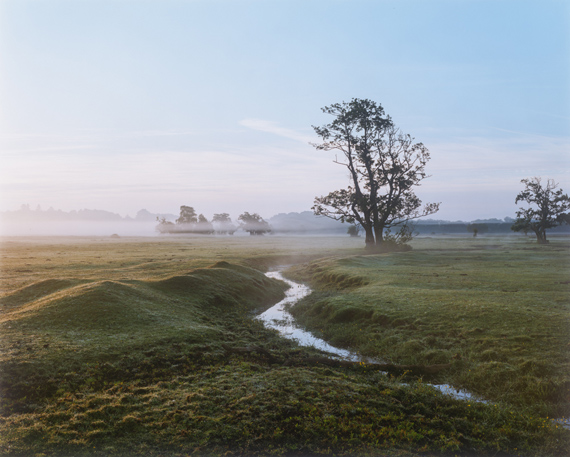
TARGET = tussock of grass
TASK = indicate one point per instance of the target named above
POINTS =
(97, 321)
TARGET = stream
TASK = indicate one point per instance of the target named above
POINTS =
(277, 317)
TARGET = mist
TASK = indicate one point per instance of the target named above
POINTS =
(78, 228)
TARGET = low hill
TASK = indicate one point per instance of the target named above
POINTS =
(65, 308)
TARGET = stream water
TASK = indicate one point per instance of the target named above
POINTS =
(277, 317)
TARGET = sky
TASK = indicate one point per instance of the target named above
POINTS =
(126, 104)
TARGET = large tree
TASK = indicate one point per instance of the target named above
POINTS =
(384, 166)
(548, 205)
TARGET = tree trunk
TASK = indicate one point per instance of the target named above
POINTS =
(379, 232)
(540, 236)
(369, 239)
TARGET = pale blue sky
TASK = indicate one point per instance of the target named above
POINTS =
(126, 104)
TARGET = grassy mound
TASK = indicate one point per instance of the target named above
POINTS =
(128, 306)
(99, 321)
(36, 291)
(220, 284)
(92, 307)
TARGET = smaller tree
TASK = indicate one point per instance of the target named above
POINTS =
(548, 205)
(223, 224)
(254, 224)
(402, 236)
(164, 226)
(203, 226)
(477, 228)
(353, 231)
(187, 216)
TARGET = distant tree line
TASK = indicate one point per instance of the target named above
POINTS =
(191, 222)
(305, 222)
(25, 213)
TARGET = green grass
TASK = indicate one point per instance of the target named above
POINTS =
(116, 348)
(497, 309)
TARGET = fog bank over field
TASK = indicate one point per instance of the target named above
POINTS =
(26, 222)
(77, 228)
(85, 222)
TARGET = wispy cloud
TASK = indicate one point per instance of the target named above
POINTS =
(535, 135)
(146, 133)
(272, 127)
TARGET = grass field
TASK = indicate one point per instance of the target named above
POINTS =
(496, 308)
(119, 347)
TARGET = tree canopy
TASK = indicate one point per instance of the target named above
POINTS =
(187, 215)
(254, 224)
(548, 208)
(187, 222)
(203, 226)
(384, 166)
(223, 224)
(353, 231)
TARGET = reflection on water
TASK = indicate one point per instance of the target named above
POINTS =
(278, 318)
(457, 393)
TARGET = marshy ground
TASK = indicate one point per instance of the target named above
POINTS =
(119, 347)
